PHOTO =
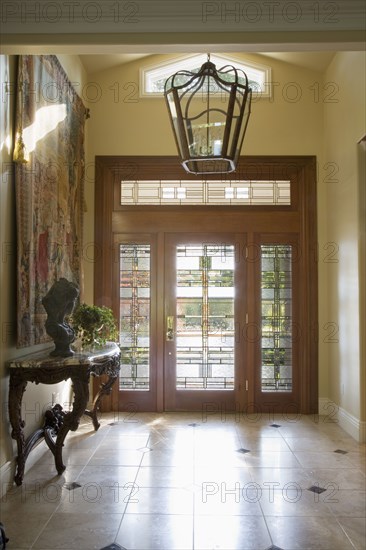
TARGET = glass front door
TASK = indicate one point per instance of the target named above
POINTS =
(201, 351)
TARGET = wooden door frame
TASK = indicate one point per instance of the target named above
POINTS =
(299, 217)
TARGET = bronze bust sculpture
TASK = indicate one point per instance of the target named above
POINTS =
(59, 302)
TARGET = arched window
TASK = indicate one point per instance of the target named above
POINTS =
(152, 79)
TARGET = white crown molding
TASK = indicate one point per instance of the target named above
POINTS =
(175, 16)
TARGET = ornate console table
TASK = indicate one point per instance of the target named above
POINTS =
(43, 369)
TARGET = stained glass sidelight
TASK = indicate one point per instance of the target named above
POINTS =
(276, 306)
(135, 316)
(205, 317)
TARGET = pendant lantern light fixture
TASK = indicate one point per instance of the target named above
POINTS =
(209, 111)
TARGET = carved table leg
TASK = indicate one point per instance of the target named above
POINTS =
(105, 389)
(71, 419)
(16, 390)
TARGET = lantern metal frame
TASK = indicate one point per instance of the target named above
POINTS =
(222, 155)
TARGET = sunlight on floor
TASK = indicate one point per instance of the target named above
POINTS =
(182, 481)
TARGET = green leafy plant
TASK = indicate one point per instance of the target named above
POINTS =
(94, 325)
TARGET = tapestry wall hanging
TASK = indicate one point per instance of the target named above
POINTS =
(49, 181)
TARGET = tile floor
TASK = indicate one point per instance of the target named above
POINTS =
(181, 481)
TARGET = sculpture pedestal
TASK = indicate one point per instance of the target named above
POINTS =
(43, 369)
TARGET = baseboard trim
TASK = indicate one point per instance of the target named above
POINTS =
(7, 470)
(6, 475)
(363, 431)
(350, 424)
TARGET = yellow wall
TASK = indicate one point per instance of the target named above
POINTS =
(344, 124)
(129, 125)
(36, 398)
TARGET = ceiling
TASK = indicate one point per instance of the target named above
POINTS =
(317, 60)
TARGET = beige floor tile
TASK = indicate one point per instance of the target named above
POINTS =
(230, 533)
(307, 533)
(176, 440)
(107, 475)
(23, 528)
(256, 431)
(33, 497)
(272, 459)
(226, 499)
(338, 478)
(316, 444)
(146, 500)
(169, 457)
(157, 476)
(263, 444)
(220, 457)
(358, 460)
(323, 459)
(280, 477)
(132, 442)
(94, 498)
(156, 532)
(46, 473)
(351, 503)
(355, 528)
(86, 436)
(116, 457)
(70, 456)
(216, 474)
(307, 425)
(89, 531)
(292, 500)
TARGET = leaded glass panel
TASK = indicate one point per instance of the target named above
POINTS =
(210, 192)
(135, 316)
(276, 307)
(205, 317)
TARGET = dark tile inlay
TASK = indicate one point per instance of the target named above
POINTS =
(341, 452)
(316, 489)
(114, 546)
(243, 450)
(275, 425)
(72, 485)
(193, 424)
(274, 548)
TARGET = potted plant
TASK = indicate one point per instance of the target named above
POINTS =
(94, 325)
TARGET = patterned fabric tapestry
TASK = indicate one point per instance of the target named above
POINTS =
(49, 180)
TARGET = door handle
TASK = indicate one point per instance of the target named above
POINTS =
(170, 328)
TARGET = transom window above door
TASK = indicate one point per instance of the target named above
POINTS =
(180, 192)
